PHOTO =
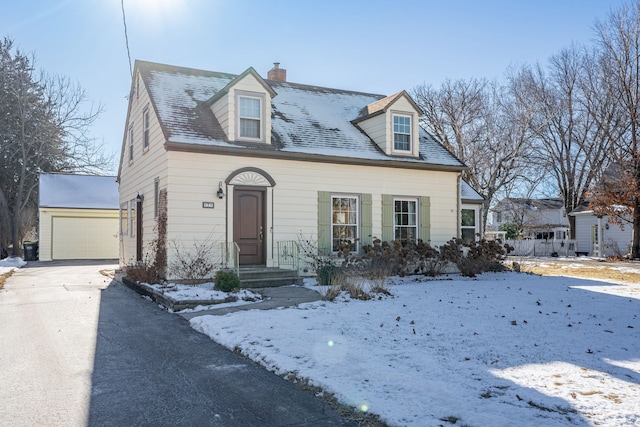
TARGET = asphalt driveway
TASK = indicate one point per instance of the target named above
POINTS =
(79, 349)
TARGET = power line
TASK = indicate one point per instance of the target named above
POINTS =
(126, 37)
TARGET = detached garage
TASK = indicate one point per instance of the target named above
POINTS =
(78, 217)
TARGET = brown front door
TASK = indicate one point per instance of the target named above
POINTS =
(248, 224)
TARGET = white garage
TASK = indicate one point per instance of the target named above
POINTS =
(78, 217)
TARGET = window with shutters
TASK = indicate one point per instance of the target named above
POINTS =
(405, 218)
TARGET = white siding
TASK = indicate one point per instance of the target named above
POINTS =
(376, 129)
(137, 177)
(225, 108)
(380, 128)
(294, 211)
(616, 239)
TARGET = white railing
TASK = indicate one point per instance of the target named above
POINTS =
(287, 254)
(531, 247)
(231, 256)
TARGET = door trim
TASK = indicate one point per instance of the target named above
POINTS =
(261, 221)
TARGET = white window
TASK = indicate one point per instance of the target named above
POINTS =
(405, 220)
(145, 129)
(124, 218)
(468, 223)
(401, 133)
(156, 196)
(132, 218)
(131, 143)
(344, 221)
(250, 113)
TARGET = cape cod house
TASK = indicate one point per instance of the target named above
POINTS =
(253, 165)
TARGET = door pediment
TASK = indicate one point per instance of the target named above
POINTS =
(251, 177)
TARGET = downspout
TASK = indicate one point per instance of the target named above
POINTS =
(459, 206)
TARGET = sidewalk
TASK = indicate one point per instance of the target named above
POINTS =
(276, 297)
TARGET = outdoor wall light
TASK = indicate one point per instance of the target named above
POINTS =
(220, 193)
(139, 198)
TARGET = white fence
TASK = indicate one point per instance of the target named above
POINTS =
(531, 247)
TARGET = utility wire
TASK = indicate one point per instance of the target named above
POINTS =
(126, 38)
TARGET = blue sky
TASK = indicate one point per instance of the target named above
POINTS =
(371, 46)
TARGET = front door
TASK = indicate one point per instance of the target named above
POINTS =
(248, 225)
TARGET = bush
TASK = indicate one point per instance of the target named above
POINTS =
(143, 271)
(402, 259)
(226, 281)
(196, 264)
(327, 274)
(485, 255)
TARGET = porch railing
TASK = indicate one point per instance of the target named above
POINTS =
(287, 255)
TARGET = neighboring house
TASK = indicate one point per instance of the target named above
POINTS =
(538, 218)
(591, 231)
(253, 162)
(78, 217)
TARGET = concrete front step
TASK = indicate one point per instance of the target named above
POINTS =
(261, 277)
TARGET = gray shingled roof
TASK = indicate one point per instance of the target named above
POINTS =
(306, 119)
(468, 193)
(59, 190)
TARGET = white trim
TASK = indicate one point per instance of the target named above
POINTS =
(250, 178)
(476, 226)
(415, 200)
(250, 95)
(146, 129)
(393, 133)
(357, 224)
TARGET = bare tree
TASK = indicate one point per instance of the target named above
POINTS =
(618, 41)
(571, 144)
(43, 128)
(485, 125)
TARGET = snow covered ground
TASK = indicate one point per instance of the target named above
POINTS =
(8, 264)
(504, 349)
(205, 292)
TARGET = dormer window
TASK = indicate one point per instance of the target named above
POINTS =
(401, 133)
(250, 117)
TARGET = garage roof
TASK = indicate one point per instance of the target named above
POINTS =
(59, 190)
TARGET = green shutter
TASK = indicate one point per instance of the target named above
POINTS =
(366, 215)
(387, 218)
(425, 219)
(324, 221)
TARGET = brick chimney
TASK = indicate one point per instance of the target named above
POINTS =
(277, 73)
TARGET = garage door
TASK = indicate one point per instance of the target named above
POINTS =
(84, 238)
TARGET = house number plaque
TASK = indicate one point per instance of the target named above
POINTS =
(208, 205)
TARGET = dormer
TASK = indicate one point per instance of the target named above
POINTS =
(392, 123)
(243, 108)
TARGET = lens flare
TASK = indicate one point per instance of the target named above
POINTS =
(330, 343)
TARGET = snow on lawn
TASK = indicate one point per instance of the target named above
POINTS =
(503, 349)
(205, 292)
